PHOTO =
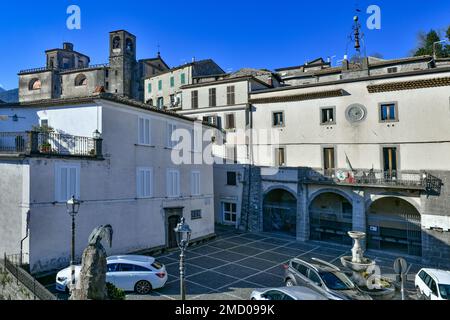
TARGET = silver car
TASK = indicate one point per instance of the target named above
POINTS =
(286, 293)
(324, 278)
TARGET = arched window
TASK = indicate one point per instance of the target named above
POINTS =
(35, 84)
(116, 42)
(80, 80)
(129, 45)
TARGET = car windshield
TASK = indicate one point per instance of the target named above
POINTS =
(444, 289)
(336, 281)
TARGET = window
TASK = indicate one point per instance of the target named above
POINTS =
(314, 277)
(229, 212)
(173, 183)
(390, 162)
(230, 95)
(67, 182)
(280, 157)
(107, 86)
(149, 88)
(328, 161)
(327, 116)
(44, 123)
(160, 103)
(112, 267)
(172, 138)
(194, 99)
(144, 182)
(230, 123)
(144, 131)
(213, 120)
(433, 288)
(106, 73)
(172, 100)
(388, 112)
(160, 85)
(80, 80)
(35, 84)
(183, 78)
(125, 267)
(278, 119)
(392, 70)
(172, 82)
(195, 183)
(212, 97)
(196, 214)
(231, 178)
(140, 269)
(302, 269)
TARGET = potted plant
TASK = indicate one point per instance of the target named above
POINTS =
(44, 132)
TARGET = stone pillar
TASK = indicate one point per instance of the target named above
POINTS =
(359, 214)
(252, 201)
(302, 213)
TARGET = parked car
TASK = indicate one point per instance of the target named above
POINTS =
(286, 293)
(324, 278)
(140, 274)
(433, 284)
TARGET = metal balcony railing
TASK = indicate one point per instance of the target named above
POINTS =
(360, 177)
(49, 143)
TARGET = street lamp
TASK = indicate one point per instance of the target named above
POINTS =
(434, 48)
(73, 205)
(183, 234)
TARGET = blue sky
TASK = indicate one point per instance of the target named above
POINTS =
(235, 33)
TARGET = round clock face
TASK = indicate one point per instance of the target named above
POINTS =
(356, 113)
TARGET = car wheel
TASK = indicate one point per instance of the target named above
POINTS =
(290, 283)
(143, 287)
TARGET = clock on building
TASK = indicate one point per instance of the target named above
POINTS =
(356, 113)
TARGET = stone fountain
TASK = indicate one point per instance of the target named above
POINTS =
(365, 273)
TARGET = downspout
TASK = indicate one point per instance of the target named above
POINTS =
(250, 107)
(27, 228)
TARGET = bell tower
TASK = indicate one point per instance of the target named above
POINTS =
(122, 62)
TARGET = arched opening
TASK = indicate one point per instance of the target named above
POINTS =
(116, 42)
(129, 45)
(35, 84)
(393, 224)
(280, 212)
(80, 80)
(331, 217)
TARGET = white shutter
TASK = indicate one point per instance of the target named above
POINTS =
(195, 183)
(144, 182)
(147, 131)
(141, 131)
(64, 193)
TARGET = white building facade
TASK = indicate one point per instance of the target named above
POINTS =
(127, 178)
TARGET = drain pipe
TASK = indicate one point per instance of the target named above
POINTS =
(26, 236)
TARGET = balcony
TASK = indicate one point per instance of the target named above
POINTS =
(33, 143)
(409, 180)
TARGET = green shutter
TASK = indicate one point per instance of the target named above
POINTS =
(183, 78)
(149, 88)
(160, 85)
(172, 82)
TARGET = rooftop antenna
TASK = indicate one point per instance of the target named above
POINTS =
(159, 51)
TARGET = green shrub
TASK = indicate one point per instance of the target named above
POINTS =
(114, 293)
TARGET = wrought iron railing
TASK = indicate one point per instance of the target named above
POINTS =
(408, 179)
(35, 70)
(37, 289)
(49, 143)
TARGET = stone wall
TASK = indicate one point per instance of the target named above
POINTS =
(252, 200)
(10, 288)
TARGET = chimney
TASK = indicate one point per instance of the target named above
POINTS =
(68, 46)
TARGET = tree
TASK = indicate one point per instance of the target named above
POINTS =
(427, 45)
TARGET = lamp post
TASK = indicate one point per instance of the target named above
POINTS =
(434, 48)
(183, 234)
(73, 205)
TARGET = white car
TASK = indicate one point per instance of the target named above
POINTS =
(286, 293)
(434, 284)
(140, 274)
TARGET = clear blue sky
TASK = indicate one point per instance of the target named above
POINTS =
(235, 33)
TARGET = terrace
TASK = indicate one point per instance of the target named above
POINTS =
(34, 143)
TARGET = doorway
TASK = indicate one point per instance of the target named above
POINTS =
(173, 218)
